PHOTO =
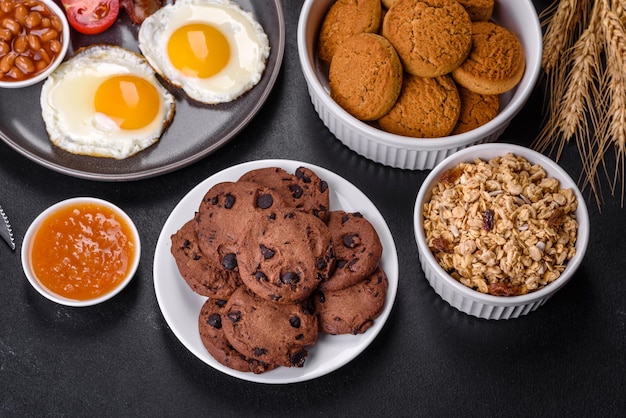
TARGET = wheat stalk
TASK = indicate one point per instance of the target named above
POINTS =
(613, 128)
(587, 88)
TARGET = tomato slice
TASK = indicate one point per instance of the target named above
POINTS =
(91, 16)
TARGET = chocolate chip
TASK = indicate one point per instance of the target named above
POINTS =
(322, 297)
(294, 321)
(341, 263)
(297, 359)
(229, 201)
(299, 337)
(229, 261)
(323, 186)
(321, 264)
(258, 352)
(345, 218)
(264, 201)
(186, 245)
(296, 191)
(289, 215)
(267, 253)
(272, 216)
(215, 320)
(357, 214)
(259, 275)
(214, 200)
(289, 278)
(351, 240)
(301, 176)
(196, 256)
(234, 316)
(221, 302)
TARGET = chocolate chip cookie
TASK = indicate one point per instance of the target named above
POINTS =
(270, 332)
(303, 189)
(352, 310)
(204, 274)
(357, 249)
(284, 256)
(223, 214)
(214, 340)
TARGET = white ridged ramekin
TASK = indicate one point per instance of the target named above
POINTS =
(519, 16)
(471, 301)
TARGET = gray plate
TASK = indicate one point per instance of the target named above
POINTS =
(197, 130)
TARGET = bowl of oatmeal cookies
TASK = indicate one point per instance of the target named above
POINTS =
(500, 228)
(409, 98)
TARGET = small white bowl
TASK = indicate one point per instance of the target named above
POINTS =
(32, 230)
(57, 61)
(398, 151)
(471, 301)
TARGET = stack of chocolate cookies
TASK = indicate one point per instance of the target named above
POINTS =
(278, 268)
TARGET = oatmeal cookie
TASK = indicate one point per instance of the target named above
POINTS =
(365, 76)
(496, 62)
(427, 108)
(432, 37)
(270, 332)
(478, 10)
(344, 19)
(476, 110)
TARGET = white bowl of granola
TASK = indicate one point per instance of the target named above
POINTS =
(500, 228)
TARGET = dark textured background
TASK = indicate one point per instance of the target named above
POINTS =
(568, 358)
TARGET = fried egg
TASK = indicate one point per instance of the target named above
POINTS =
(212, 49)
(105, 101)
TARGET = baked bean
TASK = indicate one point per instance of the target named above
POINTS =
(56, 23)
(40, 65)
(7, 61)
(12, 25)
(4, 47)
(46, 22)
(33, 20)
(34, 42)
(25, 64)
(20, 13)
(6, 6)
(5, 35)
(49, 35)
(45, 57)
(20, 44)
(55, 46)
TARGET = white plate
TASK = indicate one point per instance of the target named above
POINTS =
(181, 306)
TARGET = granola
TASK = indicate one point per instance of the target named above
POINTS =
(501, 226)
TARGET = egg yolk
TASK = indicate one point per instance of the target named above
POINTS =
(131, 101)
(198, 50)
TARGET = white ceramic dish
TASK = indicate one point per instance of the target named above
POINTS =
(519, 16)
(181, 306)
(30, 234)
(473, 302)
(65, 37)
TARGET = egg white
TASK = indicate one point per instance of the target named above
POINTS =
(68, 110)
(248, 42)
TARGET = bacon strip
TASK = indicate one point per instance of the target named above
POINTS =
(138, 10)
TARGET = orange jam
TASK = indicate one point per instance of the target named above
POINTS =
(82, 251)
